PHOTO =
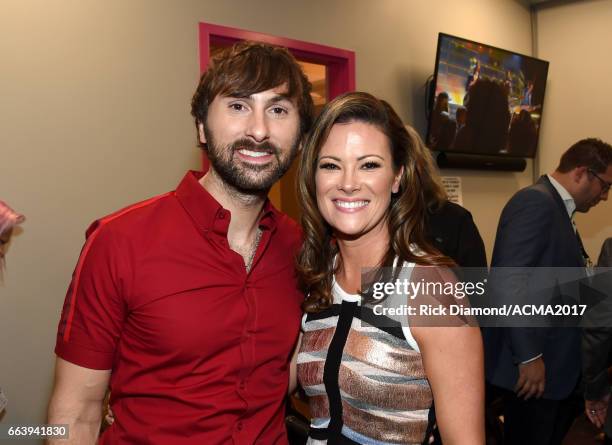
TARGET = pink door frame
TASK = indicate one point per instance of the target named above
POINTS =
(339, 63)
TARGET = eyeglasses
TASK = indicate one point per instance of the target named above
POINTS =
(605, 185)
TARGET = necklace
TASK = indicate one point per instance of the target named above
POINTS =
(249, 263)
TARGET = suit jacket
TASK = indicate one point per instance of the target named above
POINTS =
(535, 231)
(596, 347)
(597, 336)
(605, 256)
(452, 231)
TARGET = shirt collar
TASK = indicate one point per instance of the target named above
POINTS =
(570, 204)
(207, 213)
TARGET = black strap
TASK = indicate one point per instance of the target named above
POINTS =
(331, 311)
(382, 322)
(319, 433)
(332, 369)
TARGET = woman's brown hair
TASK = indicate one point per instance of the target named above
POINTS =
(419, 190)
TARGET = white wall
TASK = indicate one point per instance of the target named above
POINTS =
(576, 39)
(94, 115)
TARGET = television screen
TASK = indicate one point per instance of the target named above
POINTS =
(485, 100)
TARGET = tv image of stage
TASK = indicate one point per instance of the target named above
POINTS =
(486, 101)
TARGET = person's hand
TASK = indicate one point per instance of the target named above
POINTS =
(596, 410)
(532, 379)
(109, 418)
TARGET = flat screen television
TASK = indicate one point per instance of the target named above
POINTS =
(485, 100)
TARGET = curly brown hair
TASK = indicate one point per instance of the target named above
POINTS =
(419, 191)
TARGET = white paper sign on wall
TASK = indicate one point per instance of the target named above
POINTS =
(452, 185)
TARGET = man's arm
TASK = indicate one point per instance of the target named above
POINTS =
(521, 238)
(76, 401)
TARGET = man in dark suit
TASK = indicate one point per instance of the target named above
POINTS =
(537, 369)
(597, 347)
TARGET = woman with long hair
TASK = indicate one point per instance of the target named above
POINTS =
(365, 184)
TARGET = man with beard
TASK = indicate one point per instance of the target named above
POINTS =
(186, 304)
(536, 369)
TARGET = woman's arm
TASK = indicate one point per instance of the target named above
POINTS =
(453, 358)
(454, 365)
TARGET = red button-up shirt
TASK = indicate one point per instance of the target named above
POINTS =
(198, 348)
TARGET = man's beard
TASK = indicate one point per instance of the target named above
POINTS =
(248, 178)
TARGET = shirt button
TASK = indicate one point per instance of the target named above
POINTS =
(221, 215)
(242, 384)
(239, 426)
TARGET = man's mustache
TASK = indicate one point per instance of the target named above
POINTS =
(248, 144)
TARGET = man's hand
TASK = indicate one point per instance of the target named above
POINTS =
(532, 379)
(596, 410)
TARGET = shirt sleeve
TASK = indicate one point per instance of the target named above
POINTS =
(533, 359)
(94, 309)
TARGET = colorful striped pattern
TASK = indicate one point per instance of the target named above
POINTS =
(366, 384)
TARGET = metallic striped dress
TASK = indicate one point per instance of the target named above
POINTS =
(364, 377)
